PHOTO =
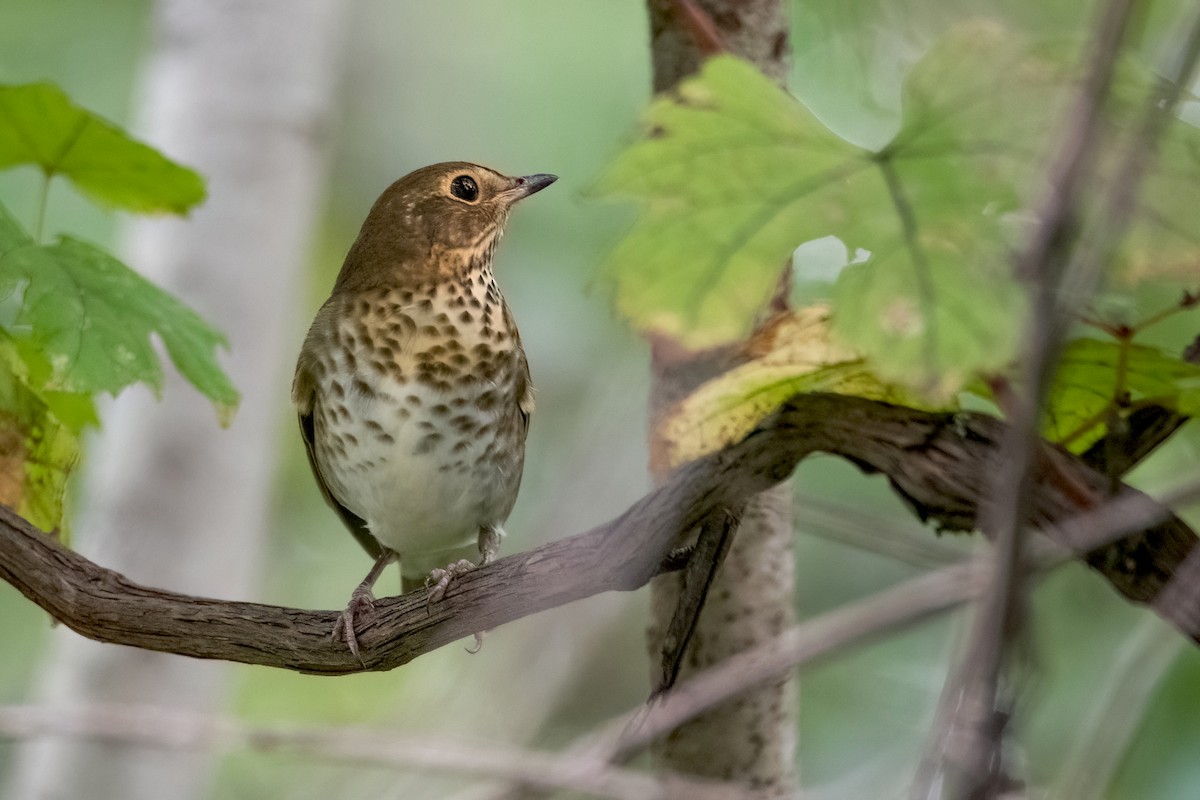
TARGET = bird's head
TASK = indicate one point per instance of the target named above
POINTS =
(435, 222)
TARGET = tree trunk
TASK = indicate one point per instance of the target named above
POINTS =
(751, 739)
(240, 91)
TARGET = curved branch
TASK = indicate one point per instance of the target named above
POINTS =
(941, 464)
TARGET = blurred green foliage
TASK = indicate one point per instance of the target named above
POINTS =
(732, 175)
(43, 128)
(76, 321)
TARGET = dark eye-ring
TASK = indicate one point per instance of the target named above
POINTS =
(464, 188)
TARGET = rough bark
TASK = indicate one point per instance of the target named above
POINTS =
(751, 739)
(939, 463)
(238, 91)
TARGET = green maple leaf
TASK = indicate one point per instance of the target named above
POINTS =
(733, 173)
(92, 318)
(722, 177)
(1093, 373)
(39, 125)
(1164, 240)
(736, 174)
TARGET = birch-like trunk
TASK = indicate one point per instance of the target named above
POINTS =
(751, 739)
(240, 91)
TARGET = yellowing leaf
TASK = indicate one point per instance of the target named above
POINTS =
(37, 451)
(793, 354)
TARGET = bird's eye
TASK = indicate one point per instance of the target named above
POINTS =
(464, 188)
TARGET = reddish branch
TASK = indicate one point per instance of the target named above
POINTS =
(697, 22)
(941, 464)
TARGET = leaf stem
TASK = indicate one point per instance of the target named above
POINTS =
(1106, 413)
(1089, 423)
(1100, 325)
(43, 196)
(1122, 370)
(1189, 301)
(908, 223)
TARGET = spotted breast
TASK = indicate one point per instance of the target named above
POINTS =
(422, 399)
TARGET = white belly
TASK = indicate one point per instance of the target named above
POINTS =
(423, 488)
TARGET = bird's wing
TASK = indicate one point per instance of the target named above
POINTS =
(524, 391)
(304, 396)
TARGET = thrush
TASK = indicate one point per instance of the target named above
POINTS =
(412, 387)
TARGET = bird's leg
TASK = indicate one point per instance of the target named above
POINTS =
(361, 601)
(490, 537)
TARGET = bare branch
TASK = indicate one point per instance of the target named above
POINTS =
(884, 612)
(151, 726)
(712, 545)
(696, 21)
(854, 623)
(1063, 268)
(939, 463)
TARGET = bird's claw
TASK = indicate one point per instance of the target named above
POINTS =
(438, 581)
(440, 578)
(361, 602)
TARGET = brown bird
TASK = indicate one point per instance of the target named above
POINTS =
(412, 386)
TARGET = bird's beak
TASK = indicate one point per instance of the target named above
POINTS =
(530, 184)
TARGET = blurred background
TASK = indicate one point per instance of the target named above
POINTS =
(546, 86)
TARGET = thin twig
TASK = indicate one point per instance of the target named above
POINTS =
(151, 726)
(887, 611)
(881, 613)
(1189, 301)
(969, 736)
(699, 24)
(872, 532)
(1118, 517)
(712, 545)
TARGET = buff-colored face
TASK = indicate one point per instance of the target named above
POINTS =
(434, 221)
(462, 205)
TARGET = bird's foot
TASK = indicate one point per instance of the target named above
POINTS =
(361, 602)
(440, 578)
(437, 582)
